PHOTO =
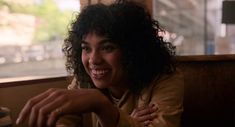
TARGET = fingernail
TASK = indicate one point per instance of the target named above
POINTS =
(154, 106)
(153, 114)
(17, 121)
(147, 122)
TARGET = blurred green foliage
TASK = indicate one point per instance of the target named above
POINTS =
(51, 22)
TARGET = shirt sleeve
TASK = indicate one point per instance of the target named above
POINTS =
(168, 96)
(69, 121)
(126, 121)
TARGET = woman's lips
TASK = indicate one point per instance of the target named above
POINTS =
(99, 73)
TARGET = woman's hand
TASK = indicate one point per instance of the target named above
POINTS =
(144, 114)
(44, 109)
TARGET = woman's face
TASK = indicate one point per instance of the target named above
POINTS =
(102, 61)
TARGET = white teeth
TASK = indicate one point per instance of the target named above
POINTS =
(99, 72)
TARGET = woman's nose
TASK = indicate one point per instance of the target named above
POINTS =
(95, 58)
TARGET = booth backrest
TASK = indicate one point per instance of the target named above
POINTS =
(14, 95)
(209, 91)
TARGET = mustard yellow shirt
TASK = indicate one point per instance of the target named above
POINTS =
(166, 92)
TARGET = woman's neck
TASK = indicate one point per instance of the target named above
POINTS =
(117, 91)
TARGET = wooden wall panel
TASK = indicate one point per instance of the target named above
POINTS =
(15, 96)
(209, 91)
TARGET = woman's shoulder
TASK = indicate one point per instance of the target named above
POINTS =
(175, 76)
(162, 87)
(175, 79)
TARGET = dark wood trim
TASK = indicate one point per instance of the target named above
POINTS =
(229, 57)
(33, 81)
(149, 6)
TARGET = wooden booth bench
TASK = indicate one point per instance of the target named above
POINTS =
(209, 91)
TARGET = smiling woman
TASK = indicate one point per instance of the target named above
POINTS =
(124, 73)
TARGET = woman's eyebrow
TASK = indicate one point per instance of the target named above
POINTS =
(105, 41)
(84, 42)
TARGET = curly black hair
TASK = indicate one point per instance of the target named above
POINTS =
(129, 25)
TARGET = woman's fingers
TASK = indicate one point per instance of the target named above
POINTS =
(56, 108)
(38, 111)
(136, 111)
(28, 106)
(147, 117)
(44, 109)
(133, 114)
(145, 113)
(47, 106)
(58, 111)
(146, 123)
(53, 117)
(33, 117)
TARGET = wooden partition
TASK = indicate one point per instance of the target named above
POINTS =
(14, 95)
(209, 90)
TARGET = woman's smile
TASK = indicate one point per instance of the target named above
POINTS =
(99, 73)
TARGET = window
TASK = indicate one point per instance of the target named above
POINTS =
(31, 36)
(194, 26)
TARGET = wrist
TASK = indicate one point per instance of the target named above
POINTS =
(107, 110)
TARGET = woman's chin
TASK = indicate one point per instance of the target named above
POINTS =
(100, 85)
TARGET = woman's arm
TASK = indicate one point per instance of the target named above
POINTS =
(44, 109)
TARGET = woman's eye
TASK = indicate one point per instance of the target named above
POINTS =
(108, 48)
(85, 48)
